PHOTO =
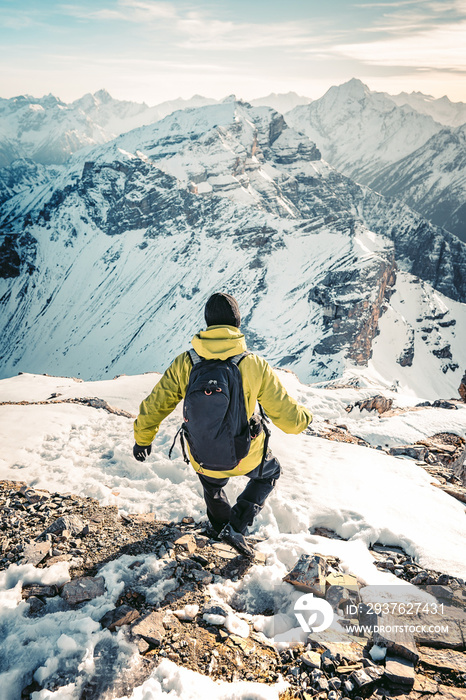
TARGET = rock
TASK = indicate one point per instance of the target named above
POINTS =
(138, 517)
(39, 589)
(462, 388)
(224, 551)
(375, 672)
(187, 521)
(311, 659)
(35, 605)
(150, 627)
(321, 684)
(141, 644)
(338, 597)
(123, 615)
(32, 495)
(187, 542)
(309, 574)
(360, 678)
(348, 686)
(406, 357)
(247, 646)
(399, 671)
(445, 629)
(423, 684)
(59, 557)
(346, 580)
(200, 559)
(458, 492)
(418, 452)
(81, 589)
(35, 552)
(443, 659)
(203, 577)
(216, 608)
(338, 644)
(170, 621)
(376, 403)
(72, 523)
(448, 693)
(441, 403)
(391, 634)
(366, 616)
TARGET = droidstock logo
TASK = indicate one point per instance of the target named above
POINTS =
(318, 611)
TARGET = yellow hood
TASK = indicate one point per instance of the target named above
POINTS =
(219, 342)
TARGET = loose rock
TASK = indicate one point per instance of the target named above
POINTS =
(81, 589)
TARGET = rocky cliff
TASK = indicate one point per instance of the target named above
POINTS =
(118, 255)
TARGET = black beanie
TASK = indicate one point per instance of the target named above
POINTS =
(222, 310)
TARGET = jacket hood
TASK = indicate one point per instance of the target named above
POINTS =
(219, 342)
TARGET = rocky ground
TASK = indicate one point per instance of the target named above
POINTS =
(215, 639)
(443, 455)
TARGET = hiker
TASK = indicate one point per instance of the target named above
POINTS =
(255, 382)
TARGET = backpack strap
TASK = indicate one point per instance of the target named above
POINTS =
(183, 447)
(236, 359)
(194, 357)
(266, 448)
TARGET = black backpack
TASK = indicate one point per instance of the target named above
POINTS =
(215, 422)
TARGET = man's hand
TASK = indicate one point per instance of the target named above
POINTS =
(141, 452)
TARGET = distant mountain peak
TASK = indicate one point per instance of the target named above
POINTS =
(103, 95)
(353, 87)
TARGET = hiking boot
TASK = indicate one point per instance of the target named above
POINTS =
(236, 540)
(209, 531)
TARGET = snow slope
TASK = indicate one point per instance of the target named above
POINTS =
(88, 451)
(432, 180)
(363, 494)
(360, 131)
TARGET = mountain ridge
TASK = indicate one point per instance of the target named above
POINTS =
(231, 190)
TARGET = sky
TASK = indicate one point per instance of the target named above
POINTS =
(151, 51)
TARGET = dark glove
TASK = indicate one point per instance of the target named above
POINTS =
(141, 452)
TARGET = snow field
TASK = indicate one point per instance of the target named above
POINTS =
(363, 494)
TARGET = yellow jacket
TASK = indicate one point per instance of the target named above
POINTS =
(260, 383)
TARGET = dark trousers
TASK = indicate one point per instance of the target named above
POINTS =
(248, 504)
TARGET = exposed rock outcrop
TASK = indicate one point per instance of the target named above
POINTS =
(462, 388)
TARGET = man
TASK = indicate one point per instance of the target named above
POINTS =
(223, 340)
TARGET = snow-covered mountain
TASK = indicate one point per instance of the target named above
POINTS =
(443, 110)
(359, 132)
(281, 102)
(394, 147)
(432, 180)
(118, 256)
(114, 116)
(47, 130)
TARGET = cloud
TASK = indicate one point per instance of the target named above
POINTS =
(441, 48)
(137, 11)
(197, 29)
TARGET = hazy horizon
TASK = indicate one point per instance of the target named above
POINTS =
(152, 51)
